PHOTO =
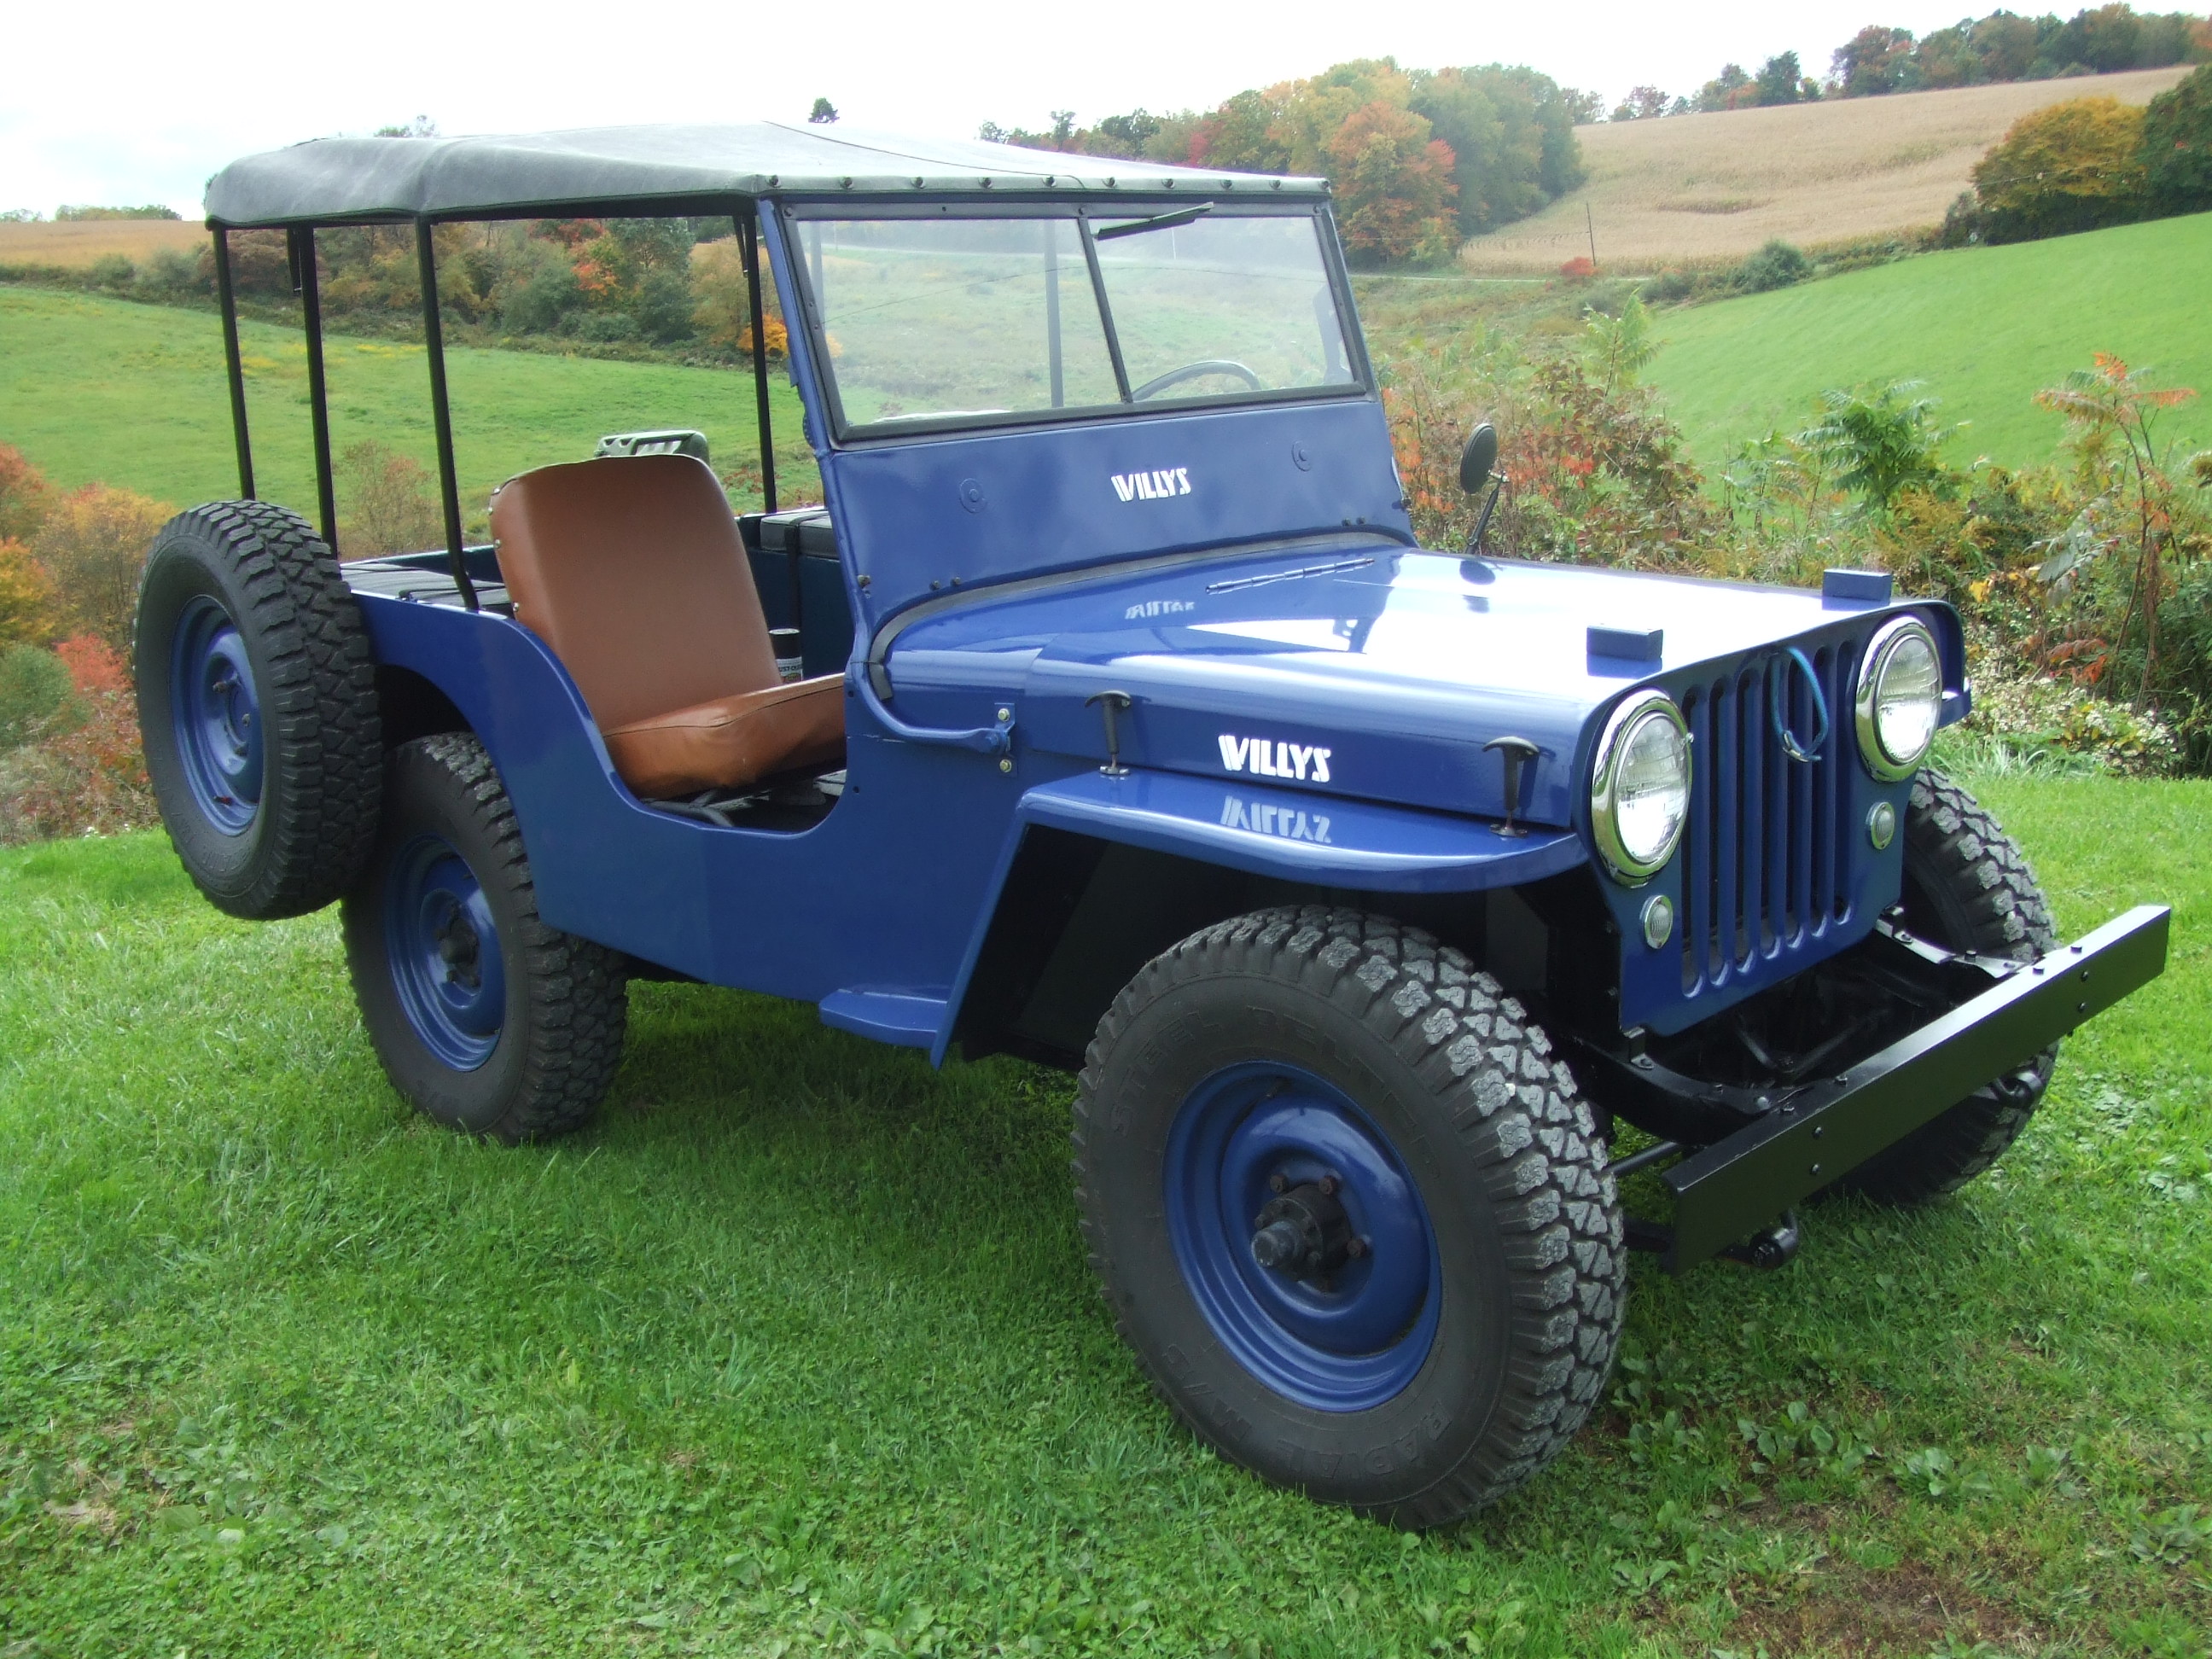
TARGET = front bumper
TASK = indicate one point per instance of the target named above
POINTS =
(1821, 1131)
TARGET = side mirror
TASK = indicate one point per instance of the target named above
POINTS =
(1479, 458)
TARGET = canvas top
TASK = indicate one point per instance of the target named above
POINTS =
(668, 169)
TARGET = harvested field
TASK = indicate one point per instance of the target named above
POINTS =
(1716, 186)
(74, 245)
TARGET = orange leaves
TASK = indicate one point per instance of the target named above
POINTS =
(94, 666)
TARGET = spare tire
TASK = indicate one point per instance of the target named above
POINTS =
(257, 705)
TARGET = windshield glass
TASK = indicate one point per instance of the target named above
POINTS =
(1222, 305)
(957, 322)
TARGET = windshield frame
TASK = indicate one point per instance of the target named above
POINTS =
(794, 214)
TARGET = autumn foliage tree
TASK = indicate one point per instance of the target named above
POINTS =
(94, 543)
(2069, 167)
(1395, 186)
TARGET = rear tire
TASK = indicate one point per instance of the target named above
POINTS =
(257, 708)
(1451, 1356)
(1967, 887)
(485, 1018)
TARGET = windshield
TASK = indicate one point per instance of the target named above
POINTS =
(957, 322)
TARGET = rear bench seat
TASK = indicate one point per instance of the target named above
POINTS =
(632, 570)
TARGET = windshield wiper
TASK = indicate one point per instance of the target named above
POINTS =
(1163, 221)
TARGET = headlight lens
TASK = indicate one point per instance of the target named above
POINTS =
(1900, 698)
(1640, 787)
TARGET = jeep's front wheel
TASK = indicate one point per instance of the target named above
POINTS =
(1349, 1212)
(488, 1020)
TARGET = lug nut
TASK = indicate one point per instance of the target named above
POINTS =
(1356, 1248)
(1279, 1183)
(1328, 1185)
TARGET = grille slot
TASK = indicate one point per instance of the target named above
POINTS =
(1766, 870)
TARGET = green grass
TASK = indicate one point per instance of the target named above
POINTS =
(1984, 328)
(797, 1350)
(134, 395)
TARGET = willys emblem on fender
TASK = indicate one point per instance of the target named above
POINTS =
(1152, 486)
(1274, 760)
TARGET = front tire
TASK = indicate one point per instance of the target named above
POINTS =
(485, 1018)
(1967, 887)
(1236, 1079)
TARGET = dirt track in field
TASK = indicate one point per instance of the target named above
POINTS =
(1694, 187)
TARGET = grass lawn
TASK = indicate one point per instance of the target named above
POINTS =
(93, 388)
(1984, 328)
(797, 1351)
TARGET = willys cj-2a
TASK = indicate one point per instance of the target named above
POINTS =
(1106, 712)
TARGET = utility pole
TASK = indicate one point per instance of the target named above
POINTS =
(1590, 225)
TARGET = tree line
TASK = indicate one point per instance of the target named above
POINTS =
(1419, 159)
(1973, 52)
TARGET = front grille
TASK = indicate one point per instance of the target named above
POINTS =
(1766, 850)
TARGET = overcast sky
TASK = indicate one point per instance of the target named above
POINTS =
(126, 102)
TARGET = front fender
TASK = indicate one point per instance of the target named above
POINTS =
(1316, 840)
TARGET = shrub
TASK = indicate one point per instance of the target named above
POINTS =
(93, 665)
(24, 495)
(1580, 269)
(388, 505)
(37, 697)
(1779, 264)
(88, 781)
(664, 307)
(2067, 167)
(1881, 442)
(30, 603)
(94, 541)
(2176, 146)
(111, 270)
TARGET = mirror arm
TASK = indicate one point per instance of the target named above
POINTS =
(1482, 524)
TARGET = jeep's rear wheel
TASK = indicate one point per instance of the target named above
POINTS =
(1349, 1212)
(485, 1018)
(257, 708)
(1967, 887)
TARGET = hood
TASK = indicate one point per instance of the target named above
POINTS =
(1354, 667)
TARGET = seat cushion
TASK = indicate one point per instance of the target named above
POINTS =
(730, 742)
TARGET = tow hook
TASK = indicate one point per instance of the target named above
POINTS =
(1770, 1249)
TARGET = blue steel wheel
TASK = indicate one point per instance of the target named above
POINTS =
(258, 709)
(1268, 1159)
(485, 1020)
(1348, 1211)
(216, 715)
(443, 945)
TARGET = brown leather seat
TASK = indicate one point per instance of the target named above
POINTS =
(632, 570)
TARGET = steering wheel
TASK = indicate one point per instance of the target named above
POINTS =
(1196, 371)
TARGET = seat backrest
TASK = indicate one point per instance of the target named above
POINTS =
(632, 570)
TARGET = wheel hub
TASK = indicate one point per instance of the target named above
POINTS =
(1304, 1233)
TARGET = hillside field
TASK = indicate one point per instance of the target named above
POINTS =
(1718, 185)
(75, 244)
(94, 388)
(1984, 329)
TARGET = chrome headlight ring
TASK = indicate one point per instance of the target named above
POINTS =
(1899, 634)
(1629, 723)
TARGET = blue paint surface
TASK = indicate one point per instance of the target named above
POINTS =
(1308, 697)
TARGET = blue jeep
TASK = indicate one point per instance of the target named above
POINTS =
(1107, 713)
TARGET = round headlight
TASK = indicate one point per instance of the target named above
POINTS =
(1900, 698)
(1640, 787)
